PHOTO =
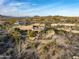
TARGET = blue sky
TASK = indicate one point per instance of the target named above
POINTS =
(39, 7)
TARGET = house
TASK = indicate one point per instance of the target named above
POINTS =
(29, 27)
(22, 23)
(19, 23)
(33, 27)
(38, 27)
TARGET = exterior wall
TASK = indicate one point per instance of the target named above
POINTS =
(38, 28)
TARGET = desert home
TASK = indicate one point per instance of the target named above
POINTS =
(33, 27)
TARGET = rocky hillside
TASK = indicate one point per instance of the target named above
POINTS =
(58, 42)
(51, 44)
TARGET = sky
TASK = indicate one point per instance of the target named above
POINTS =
(39, 7)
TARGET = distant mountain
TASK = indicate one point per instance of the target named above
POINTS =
(3, 16)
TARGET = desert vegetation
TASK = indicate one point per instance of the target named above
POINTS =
(49, 42)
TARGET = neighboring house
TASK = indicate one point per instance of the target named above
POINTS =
(21, 23)
(33, 27)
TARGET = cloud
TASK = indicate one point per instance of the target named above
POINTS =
(14, 8)
(2, 2)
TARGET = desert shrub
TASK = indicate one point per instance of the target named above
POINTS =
(32, 33)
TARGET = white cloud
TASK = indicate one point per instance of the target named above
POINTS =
(12, 7)
(27, 9)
